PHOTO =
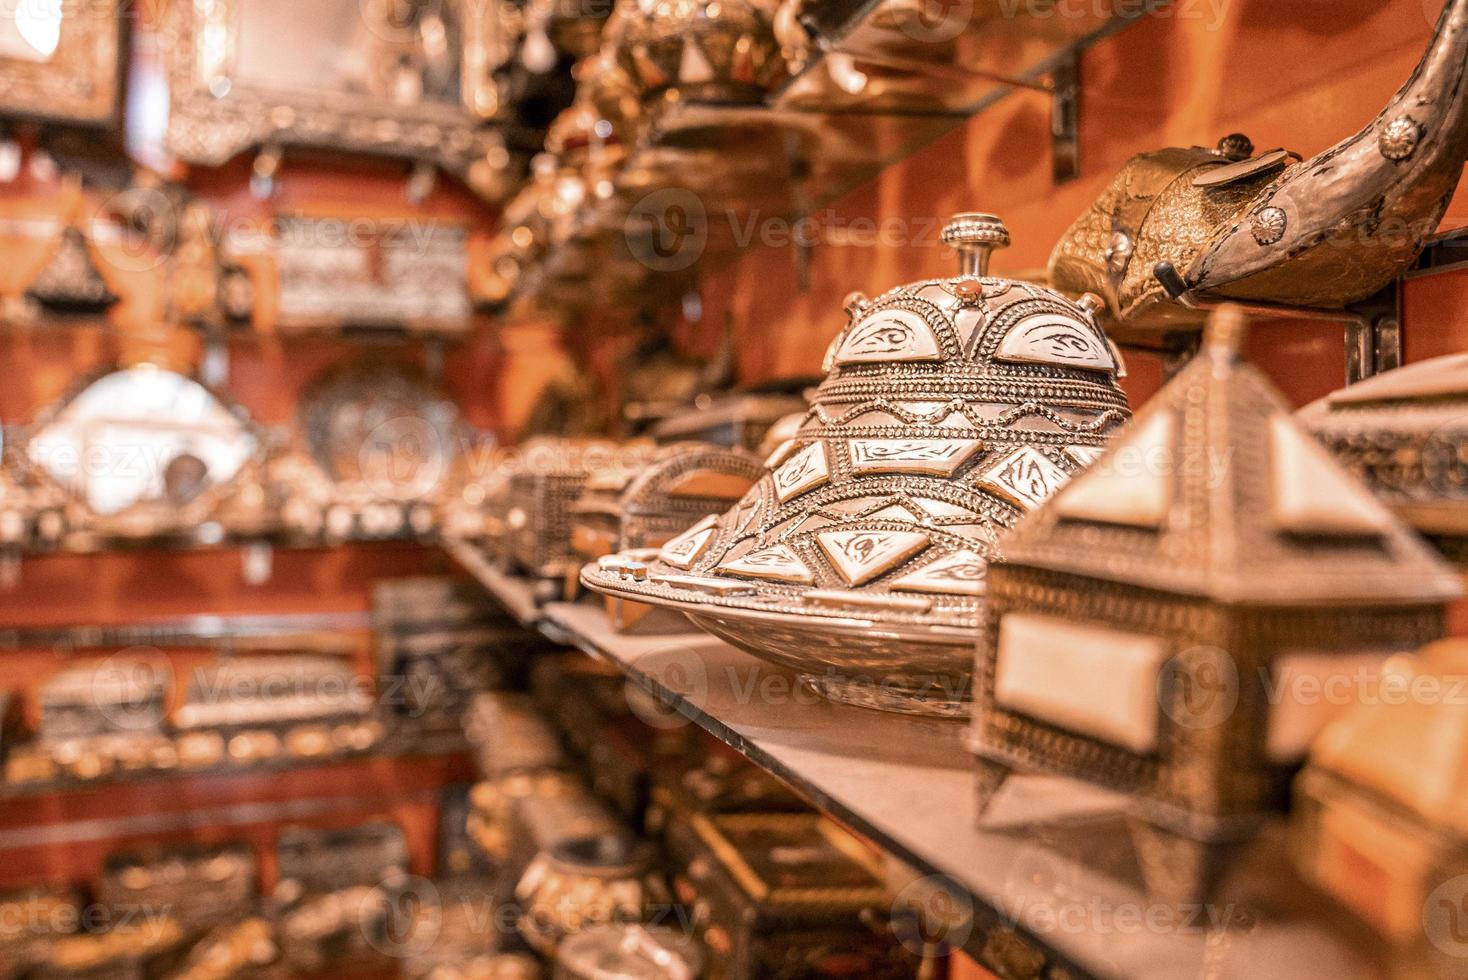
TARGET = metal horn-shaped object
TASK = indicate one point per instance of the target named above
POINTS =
(1196, 226)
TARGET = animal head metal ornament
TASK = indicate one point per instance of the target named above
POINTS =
(951, 408)
(1181, 228)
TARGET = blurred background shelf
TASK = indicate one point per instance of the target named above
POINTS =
(707, 182)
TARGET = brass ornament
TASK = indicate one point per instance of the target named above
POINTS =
(700, 51)
(858, 558)
(1183, 228)
(1143, 613)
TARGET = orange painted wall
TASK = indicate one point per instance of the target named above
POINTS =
(1301, 74)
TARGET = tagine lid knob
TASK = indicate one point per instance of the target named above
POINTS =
(975, 235)
(976, 228)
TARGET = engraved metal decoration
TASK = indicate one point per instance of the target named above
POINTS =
(702, 51)
(633, 510)
(1405, 433)
(1143, 613)
(1378, 821)
(407, 274)
(145, 452)
(859, 558)
(587, 882)
(379, 445)
(542, 489)
(70, 282)
(61, 62)
(410, 80)
(1208, 226)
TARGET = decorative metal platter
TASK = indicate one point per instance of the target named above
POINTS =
(146, 451)
(381, 426)
(951, 408)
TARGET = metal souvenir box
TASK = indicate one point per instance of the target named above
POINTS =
(550, 478)
(783, 894)
(623, 510)
(1381, 811)
(1187, 227)
(326, 861)
(274, 692)
(1151, 625)
(1405, 434)
(509, 736)
(735, 419)
(118, 696)
(204, 885)
(952, 407)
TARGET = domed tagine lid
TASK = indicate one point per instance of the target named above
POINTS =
(951, 408)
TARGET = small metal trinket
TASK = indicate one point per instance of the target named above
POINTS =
(1152, 623)
(1221, 225)
(719, 51)
(784, 894)
(1405, 433)
(1381, 811)
(584, 882)
(952, 407)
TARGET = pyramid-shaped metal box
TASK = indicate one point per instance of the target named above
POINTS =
(1165, 624)
(951, 408)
